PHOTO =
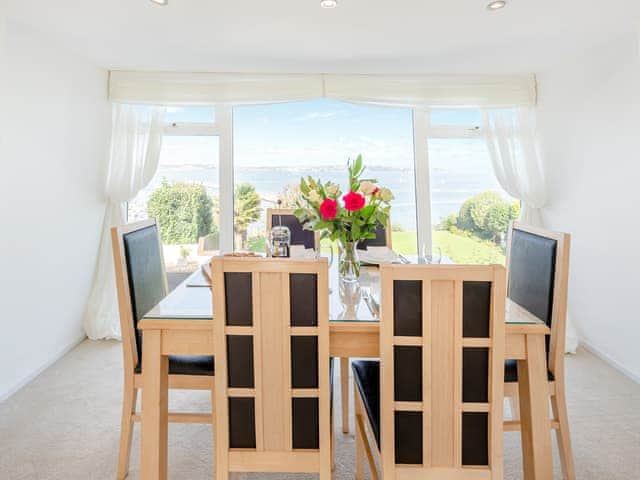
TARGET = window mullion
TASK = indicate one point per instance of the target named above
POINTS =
(224, 115)
(422, 178)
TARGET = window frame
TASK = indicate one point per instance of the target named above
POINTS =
(221, 127)
(423, 131)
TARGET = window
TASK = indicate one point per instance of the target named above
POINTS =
(274, 145)
(470, 212)
(184, 194)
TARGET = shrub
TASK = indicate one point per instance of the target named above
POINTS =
(183, 210)
(397, 227)
(487, 215)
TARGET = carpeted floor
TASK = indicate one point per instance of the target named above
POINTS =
(65, 425)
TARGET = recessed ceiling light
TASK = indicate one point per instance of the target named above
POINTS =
(328, 3)
(496, 5)
(160, 2)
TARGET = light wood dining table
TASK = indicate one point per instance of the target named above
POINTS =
(181, 324)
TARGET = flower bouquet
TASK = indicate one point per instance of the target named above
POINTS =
(347, 218)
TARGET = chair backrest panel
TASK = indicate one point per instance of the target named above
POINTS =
(532, 268)
(538, 277)
(287, 218)
(238, 298)
(140, 279)
(303, 288)
(445, 408)
(273, 368)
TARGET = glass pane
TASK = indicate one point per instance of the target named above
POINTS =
(467, 117)
(469, 210)
(190, 115)
(274, 145)
(184, 197)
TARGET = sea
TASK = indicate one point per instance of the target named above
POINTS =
(448, 190)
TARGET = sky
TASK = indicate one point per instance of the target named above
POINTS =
(319, 132)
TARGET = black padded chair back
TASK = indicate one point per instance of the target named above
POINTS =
(532, 269)
(379, 241)
(145, 274)
(299, 236)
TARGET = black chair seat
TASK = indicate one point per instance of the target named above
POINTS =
(189, 365)
(367, 376)
(511, 372)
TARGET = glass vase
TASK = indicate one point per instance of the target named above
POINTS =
(349, 263)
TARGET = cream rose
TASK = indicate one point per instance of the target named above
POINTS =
(385, 194)
(314, 196)
(332, 189)
(367, 187)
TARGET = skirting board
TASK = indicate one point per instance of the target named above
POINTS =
(609, 361)
(29, 378)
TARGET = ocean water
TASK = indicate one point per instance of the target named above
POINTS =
(448, 190)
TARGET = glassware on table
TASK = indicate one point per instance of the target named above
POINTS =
(431, 255)
(279, 241)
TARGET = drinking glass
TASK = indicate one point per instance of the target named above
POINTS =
(431, 257)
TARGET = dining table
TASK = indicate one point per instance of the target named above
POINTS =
(181, 324)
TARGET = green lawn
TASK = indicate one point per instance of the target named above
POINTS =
(458, 248)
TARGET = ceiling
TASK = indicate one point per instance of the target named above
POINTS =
(359, 36)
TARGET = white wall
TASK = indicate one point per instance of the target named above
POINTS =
(52, 167)
(590, 129)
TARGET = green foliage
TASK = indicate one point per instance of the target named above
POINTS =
(450, 223)
(397, 227)
(246, 206)
(486, 215)
(183, 210)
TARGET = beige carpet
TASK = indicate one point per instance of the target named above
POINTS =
(65, 425)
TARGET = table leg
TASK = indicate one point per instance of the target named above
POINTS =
(344, 393)
(534, 411)
(155, 379)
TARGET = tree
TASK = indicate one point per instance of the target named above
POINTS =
(247, 210)
(487, 215)
(183, 210)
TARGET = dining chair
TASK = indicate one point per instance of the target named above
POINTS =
(383, 237)
(432, 407)
(287, 218)
(538, 275)
(209, 245)
(271, 339)
(141, 283)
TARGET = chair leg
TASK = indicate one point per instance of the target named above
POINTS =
(359, 438)
(559, 408)
(514, 405)
(344, 393)
(126, 429)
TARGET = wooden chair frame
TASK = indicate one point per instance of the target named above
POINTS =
(132, 380)
(274, 450)
(442, 463)
(557, 395)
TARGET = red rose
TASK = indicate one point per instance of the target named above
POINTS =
(353, 201)
(328, 209)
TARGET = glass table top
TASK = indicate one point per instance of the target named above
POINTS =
(348, 302)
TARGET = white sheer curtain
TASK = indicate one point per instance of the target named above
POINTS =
(516, 159)
(136, 140)
(517, 162)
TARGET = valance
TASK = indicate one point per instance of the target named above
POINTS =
(165, 88)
